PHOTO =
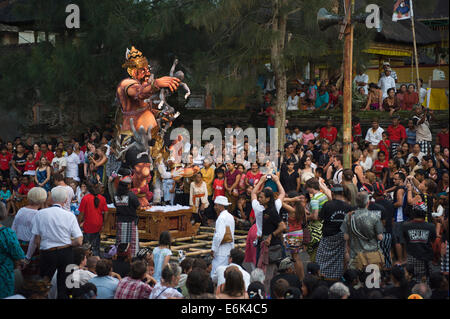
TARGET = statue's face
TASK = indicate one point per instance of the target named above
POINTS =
(143, 169)
(142, 74)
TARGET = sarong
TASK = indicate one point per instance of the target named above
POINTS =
(330, 256)
(128, 233)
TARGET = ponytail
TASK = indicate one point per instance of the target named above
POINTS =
(96, 201)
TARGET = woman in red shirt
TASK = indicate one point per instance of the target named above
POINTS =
(296, 220)
(410, 98)
(253, 176)
(401, 96)
(335, 94)
(92, 208)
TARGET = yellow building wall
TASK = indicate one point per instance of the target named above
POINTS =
(404, 73)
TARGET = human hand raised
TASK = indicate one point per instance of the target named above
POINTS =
(168, 82)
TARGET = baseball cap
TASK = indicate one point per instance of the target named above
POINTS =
(285, 264)
(378, 189)
(256, 290)
(293, 293)
(312, 268)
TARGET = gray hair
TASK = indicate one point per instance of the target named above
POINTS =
(59, 194)
(3, 211)
(257, 275)
(362, 199)
(37, 196)
(423, 290)
(338, 290)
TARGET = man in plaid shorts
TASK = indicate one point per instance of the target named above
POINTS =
(421, 121)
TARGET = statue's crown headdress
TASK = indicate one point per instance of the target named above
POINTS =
(134, 60)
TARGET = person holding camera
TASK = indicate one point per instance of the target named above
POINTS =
(421, 120)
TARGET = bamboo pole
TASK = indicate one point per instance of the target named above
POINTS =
(415, 46)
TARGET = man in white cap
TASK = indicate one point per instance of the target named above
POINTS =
(386, 82)
(223, 240)
(387, 65)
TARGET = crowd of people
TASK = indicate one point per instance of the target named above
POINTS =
(380, 95)
(314, 227)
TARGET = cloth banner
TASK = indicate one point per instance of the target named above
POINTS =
(436, 99)
(402, 10)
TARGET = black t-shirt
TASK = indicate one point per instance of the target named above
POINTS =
(289, 181)
(387, 213)
(121, 267)
(419, 237)
(271, 220)
(286, 159)
(292, 279)
(126, 207)
(333, 213)
(20, 161)
(322, 158)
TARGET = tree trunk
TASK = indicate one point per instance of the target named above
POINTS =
(277, 59)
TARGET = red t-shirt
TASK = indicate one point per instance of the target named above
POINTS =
(219, 187)
(49, 156)
(24, 189)
(443, 139)
(396, 134)
(253, 179)
(385, 148)
(378, 167)
(30, 166)
(270, 119)
(4, 161)
(330, 135)
(93, 217)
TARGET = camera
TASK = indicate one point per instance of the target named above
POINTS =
(269, 176)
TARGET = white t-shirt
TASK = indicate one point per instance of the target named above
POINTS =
(23, 223)
(363, 78)
(367, 164)
(219, 276)
(419, 157)
(422, 95)
(374, 138)
(292, 103)
(258, 209)
(58, 163)
(56, 227)
(298, 136)
(72, 166)
(385, 83)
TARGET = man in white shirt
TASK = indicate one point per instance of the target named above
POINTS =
(362, 80)
(421, 120)
(59, 182)
(223, 239)
(59, 163)
(236, 259)
(374, 134)
(73, 160)
(422, 93)
(416, 152)
(386, 82)
(387, 65)
(56, 231)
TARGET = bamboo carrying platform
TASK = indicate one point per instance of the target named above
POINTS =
(152, 224)
(197, 245)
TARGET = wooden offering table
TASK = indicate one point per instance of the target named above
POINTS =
(153, 223)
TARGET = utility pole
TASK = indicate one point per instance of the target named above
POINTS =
(348, 66)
